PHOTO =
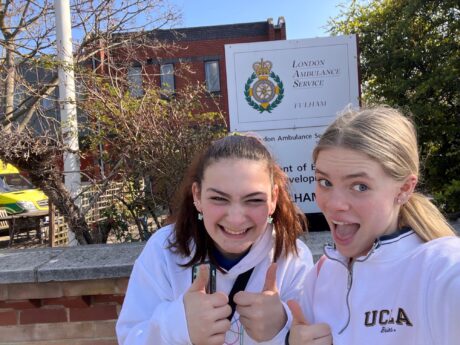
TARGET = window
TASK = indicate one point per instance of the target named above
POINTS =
(47, 103)
(20, 95)
(211, 70)
(167, 77)
(135, 81)
(15, 182)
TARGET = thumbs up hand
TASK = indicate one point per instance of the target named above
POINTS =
(302, 333)
(206, 314)
(262, 314)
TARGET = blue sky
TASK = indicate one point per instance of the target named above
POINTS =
(304, 18)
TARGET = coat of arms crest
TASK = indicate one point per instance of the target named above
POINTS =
(264, 89)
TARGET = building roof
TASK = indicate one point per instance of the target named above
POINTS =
(203, 33)
(212, 32)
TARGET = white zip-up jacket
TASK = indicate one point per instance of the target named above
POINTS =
(153, 311)
(405, 291)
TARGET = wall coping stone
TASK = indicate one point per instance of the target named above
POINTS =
(96, 261)
(39, 265)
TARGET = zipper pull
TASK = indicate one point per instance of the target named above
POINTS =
(350, 277)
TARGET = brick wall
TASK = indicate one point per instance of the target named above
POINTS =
(72, 295)
(65, 295)
(61, 313)
(197, 45)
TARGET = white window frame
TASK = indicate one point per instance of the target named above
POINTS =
(212, 75)
(135, 81)
(167, 77)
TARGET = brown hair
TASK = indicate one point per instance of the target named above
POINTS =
(389, 138)
(288, 221)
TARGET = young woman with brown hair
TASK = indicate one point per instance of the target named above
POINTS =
(234, 212)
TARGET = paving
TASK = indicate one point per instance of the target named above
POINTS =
(316, 240)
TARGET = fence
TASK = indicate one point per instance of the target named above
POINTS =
(95, 199)
(92, 200)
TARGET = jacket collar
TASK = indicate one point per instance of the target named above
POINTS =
(385, 248)
(258, 252)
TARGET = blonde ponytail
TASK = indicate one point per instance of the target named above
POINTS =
(424, 218)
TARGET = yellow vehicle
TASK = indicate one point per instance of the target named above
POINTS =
(17, 194)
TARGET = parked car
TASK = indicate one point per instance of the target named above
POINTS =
(17, 194)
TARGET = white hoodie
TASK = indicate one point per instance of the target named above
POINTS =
(153, 310)
(405, 291)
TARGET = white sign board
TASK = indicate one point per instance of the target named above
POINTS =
(288, 92)
(290, 84)
(292, 148)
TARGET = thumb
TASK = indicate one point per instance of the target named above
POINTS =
(201, 280)
(270, 278)
(297, 316)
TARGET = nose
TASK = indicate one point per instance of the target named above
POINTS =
(336, 200)
(236, 215)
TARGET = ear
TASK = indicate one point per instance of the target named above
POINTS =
(407, 187)
(196, 192)
(274, 199)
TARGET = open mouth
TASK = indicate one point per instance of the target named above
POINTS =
(343, 232)
(234, 232)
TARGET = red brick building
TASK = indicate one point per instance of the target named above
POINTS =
(162, 57)
(202, 49)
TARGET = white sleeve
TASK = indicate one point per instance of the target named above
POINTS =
(292, 282)
(444, 305)
(150, 313)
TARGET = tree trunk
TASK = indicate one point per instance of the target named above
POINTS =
(55, 189)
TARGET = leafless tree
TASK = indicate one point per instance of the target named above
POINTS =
(39, 155)
(145, 139)
(28, 79)
(27, 43)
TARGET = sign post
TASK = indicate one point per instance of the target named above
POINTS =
(67, 102)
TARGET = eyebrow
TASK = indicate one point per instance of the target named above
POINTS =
(347, 177)
(228, 195)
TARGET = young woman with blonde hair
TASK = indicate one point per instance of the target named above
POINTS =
(392, 275)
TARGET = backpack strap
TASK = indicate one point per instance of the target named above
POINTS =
(239, 285)
(320, 264)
